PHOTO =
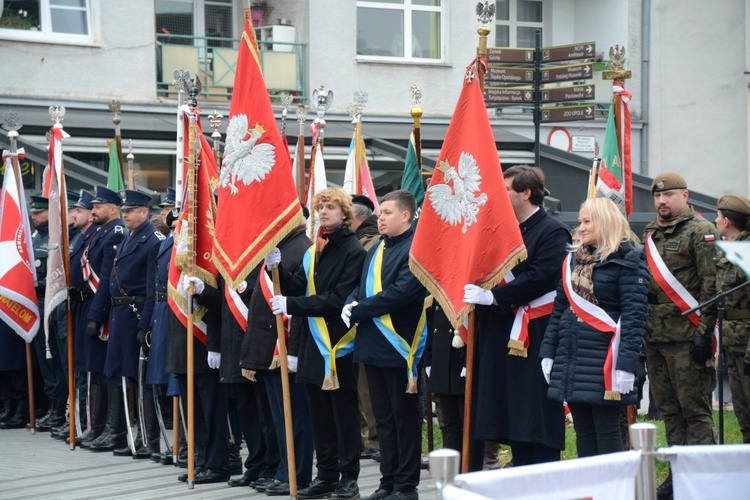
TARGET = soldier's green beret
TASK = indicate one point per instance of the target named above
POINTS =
(735, 203)
(667, 181)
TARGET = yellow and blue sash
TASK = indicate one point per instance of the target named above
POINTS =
(319, 330)
(411, 353)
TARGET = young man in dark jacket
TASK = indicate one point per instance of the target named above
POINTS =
(388, 306)
(317, 290)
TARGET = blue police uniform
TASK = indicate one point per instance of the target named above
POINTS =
(132, 292)
(157, 357)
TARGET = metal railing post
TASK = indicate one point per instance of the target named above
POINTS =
(643, 439)
(444, 466)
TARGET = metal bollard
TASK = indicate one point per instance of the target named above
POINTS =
(444, 467)
(643, 439)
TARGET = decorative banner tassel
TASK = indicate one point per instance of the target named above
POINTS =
(330, 382)
(516, 348)
(249, 374)
(411, 387)
(612, 395)
(457, 341)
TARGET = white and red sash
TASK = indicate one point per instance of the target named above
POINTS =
(519, 333)
(266, 286)
(676, 292)
(596, 317)
(89, 275)
(236, 305)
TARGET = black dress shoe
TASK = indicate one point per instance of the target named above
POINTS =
(376, 456)
(244, 480)
(368, 453)
(404, 495)
(347, 489)
(379, 494)
(183, 477)
(262, 483)
(277, 488)
(319, 488)
(209, 476)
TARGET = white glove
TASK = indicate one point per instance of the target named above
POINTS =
(278, 304)
(624, 381)
(547, 368)
(214, 359)
(427, 370)
(477, 295)
(198, 284)
(273, 258)
(346, 313)
(463, 372)
(291, 363)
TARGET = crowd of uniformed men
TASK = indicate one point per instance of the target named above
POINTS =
(349, 402)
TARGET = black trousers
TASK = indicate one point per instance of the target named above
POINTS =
(452, 408)
(335, 423)
(211, 426)
(399, 427)
(597, 428)
(53, 376)
(526, 453)
(257, 427)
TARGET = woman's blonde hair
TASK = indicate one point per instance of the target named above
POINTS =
(612, 228)
(341, 198)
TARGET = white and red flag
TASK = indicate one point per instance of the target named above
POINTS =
(258, 203)
(467, 231)
(357, 178)
(18, 302)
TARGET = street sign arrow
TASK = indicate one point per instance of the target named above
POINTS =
(510, 54)
(569, 52)
(567, 73)
(567, 113)
(573, 93)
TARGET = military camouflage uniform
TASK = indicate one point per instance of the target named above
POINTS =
(682, 389)
(736, 335)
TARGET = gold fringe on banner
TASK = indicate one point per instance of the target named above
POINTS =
(516, 348)
(612, 395)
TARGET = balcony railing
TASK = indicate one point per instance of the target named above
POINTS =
(214, 60)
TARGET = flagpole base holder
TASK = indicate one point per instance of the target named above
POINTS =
(191, 485)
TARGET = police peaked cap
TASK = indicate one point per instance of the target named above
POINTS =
(84, 200)
(170, 199)
(105, 195)
(133, 199)
(738, 204)
(38, 204)
(667, 181)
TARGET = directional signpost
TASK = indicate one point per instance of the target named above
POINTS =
(509, 67)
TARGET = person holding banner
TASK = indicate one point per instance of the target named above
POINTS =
(388, 307)
(591, 346)
(506, 352)
(260, 364)
(733, 223)
(680, 253)
(317, 290)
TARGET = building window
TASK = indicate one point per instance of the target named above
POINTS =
(203, 23)
(516, 22)
(42, 20)
(401, 29)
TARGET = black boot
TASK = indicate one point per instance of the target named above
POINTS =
(57, 418)
(235, 460)
(114, 435)
(20, 417)
(61, 432)
(42, 424)
(9, 408)
(664, 491)
(152, 429)
(98, 402)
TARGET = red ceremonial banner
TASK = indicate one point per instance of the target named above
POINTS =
(258, 203)
(467, 231)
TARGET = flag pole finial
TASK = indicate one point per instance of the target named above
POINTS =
(57, 113)
(12, 125)
(114, 108)
(130, 156)
(618, 71)
(286, 101)
(323, 100)
(360, 102)
(485, 12)
(415, 93)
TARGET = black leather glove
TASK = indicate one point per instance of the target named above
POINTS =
(92, 329)
(746, 364)
(701, 349)
(143, 338)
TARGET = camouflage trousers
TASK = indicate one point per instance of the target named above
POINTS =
(682, 391)
(739, 384)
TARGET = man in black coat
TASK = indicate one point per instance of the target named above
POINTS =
(511, 404)
(388, 293)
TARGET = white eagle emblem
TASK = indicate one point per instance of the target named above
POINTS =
(243, 160)
(458, 204)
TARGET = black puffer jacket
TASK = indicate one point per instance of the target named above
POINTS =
(579, 350)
